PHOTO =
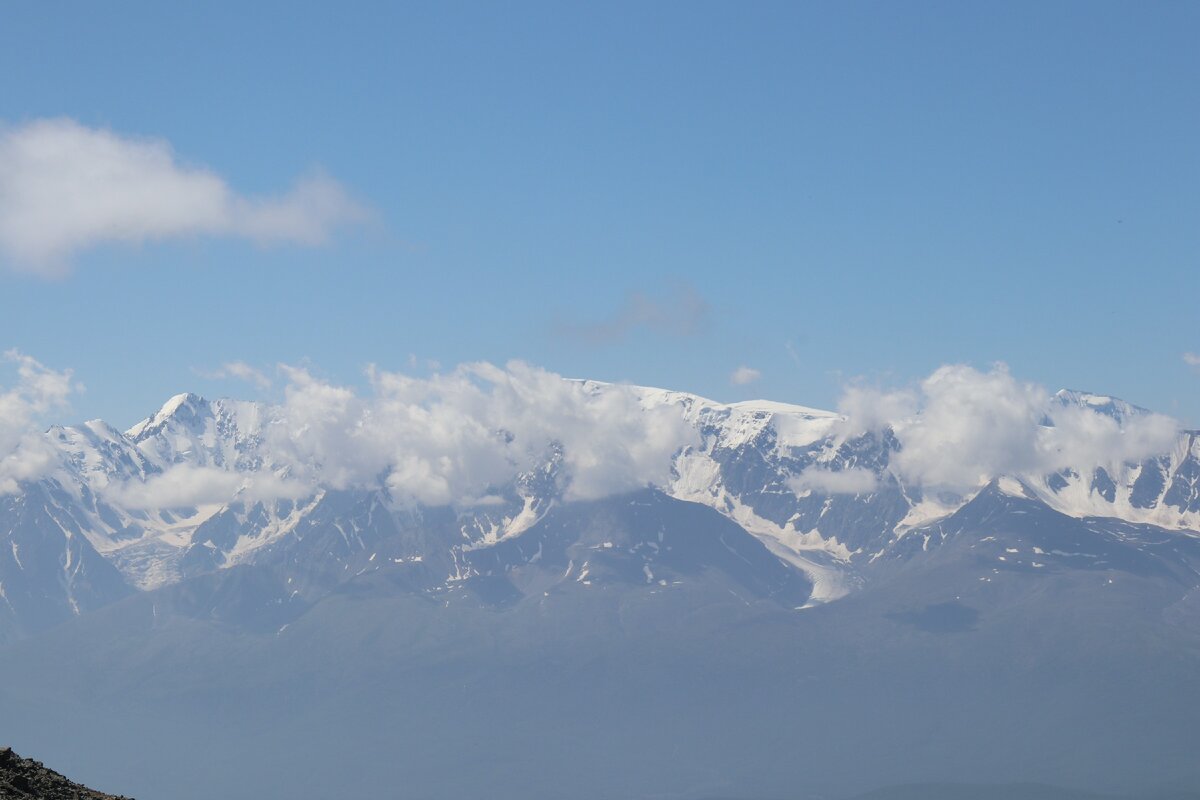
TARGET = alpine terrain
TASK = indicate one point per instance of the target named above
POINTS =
(756, 599)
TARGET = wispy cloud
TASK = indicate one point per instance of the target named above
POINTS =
(239, 370)
(66, 188)
(793, 354)
(744, 375)
(1191, 359)
(681, 311)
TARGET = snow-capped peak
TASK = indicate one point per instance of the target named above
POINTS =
(1116, 408)
(185, 407)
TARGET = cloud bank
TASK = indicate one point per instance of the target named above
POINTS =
(455, 437)
(961, 427)
(459, 437)
(66, 188)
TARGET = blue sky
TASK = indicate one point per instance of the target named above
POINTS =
(660, 193)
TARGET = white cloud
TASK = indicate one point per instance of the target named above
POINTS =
(452, 438)
(1082, 438)
(181, 486)
(744, 375)
(961, 427)
(1191, 359)
(189, 486)
(971, 426)
(239, 370)
(823, 481)
(65, 188)
(869, 409)
(25, 454)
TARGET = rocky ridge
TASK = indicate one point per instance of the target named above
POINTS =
(25, 778)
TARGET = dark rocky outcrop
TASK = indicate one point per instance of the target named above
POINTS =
(26, 778)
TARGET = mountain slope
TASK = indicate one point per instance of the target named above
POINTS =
(49, 570)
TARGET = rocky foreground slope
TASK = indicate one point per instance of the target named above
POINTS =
(26, 778)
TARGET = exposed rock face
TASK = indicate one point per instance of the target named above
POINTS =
(26, 778)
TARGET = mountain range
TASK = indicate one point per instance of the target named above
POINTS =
(781, 610)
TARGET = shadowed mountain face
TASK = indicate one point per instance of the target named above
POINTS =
(49, 571)
(724, 635)
(26, 778)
